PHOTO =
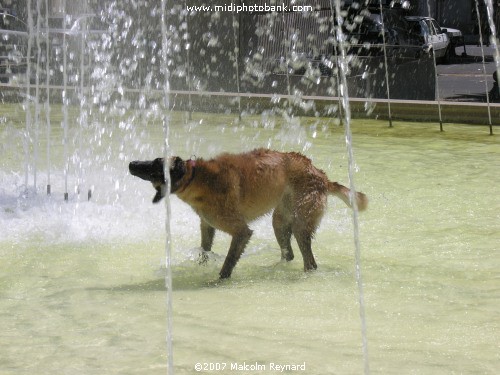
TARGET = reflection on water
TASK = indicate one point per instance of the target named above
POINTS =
(82, 286)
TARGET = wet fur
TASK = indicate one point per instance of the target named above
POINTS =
(231, 190)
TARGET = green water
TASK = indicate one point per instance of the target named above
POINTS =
(82, 288)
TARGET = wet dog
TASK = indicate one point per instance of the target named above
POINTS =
(231, 190)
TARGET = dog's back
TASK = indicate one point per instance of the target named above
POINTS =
(252, 183)
(258, 180)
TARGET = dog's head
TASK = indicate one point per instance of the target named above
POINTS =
(153, 171)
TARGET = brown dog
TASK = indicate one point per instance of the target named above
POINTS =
(231, 190)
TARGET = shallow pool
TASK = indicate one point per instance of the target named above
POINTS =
(82, 283)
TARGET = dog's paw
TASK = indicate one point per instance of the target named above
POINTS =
(204, 257)
(225, 274)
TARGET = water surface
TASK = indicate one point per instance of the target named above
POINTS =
(82, 288)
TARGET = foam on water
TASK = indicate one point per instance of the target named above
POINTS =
(107, 217)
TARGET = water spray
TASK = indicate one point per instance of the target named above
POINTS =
(65, 105)
(28, 96)
(386, 65)
(436, 77)
(484, 65)
(335, 67)
(335, 8)
(494, 42)
(188, 65)
(47, 89)
(37, 92)
(236, 28)
(82, 120)
(165, 49)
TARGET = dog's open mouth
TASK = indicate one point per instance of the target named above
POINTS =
(160, 193)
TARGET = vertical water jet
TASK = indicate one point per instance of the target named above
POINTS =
(165, 45)
(37, 92)
(336, 9)
(27, 135)
(236, 27)
(386, 65)
(484, 66)
(436, 77)
(188, 64)
(82, 119)
(494, 41)
(65, 102)
(47, 93)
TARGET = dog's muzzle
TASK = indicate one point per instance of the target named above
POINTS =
(151, 171)
(141, 169)
(147, 170)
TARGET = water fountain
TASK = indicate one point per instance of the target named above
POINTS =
(90, 268)
(343, 69)
(47, 96)
(436, 77)
(494, 42)
(165, 55)
(28, 98)
(386, 65)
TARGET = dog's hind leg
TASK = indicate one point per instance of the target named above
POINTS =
(207, 239)
(282, 225)
(304, 239)
(238, 243)
(309, 210)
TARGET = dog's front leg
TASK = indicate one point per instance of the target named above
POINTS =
(207, 239)
(238, 243)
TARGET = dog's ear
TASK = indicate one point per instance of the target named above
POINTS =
(177, 172)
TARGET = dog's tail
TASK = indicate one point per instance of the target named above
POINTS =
(344, 193)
